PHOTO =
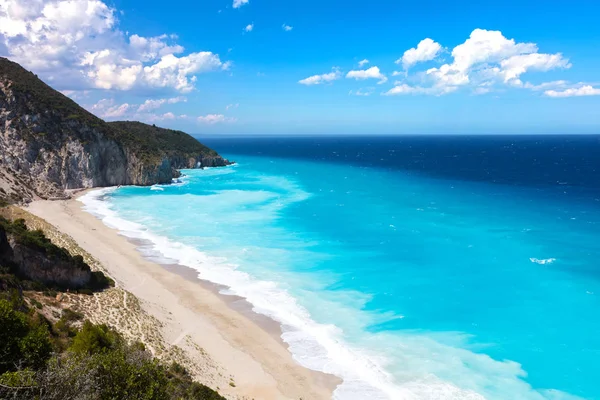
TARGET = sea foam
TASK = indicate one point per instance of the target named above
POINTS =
(315, 346)
(377, 365)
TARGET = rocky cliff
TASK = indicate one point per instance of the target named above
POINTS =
(30, 255)
(48, 143)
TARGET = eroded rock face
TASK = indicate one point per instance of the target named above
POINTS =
(48, 143)
(34, 265)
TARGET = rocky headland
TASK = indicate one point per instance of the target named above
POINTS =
(49, 144)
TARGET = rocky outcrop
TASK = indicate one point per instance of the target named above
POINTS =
(35, 263)
(49, 143)
(37, 266)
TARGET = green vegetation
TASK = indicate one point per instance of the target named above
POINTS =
(65, 357)
(60, 361)
(149, 141)
(55, 104)
(38, 241)
(35, 239)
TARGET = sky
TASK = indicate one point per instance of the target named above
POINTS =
(318, 67)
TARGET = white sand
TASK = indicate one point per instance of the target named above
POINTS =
(255, 359)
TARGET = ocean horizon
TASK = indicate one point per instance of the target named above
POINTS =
(412, 267)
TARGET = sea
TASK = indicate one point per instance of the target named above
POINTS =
(412, 267)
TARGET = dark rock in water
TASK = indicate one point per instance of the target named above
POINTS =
(48, 143)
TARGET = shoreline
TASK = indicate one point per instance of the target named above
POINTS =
(246, 345)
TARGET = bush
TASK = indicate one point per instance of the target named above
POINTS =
(13, 327)
(99, 281)
(35, 347)
(94, 339)
(23, 343)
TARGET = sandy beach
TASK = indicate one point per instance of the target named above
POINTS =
(234, 351)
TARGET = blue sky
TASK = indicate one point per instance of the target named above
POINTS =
(210, 67)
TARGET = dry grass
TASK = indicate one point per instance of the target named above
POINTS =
(123, 311)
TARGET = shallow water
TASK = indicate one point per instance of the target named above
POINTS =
(413, 268)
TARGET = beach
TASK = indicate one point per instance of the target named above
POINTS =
(234, 351)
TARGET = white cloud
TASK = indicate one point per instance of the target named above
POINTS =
(546, 85)
(371, 73)
(228, 106)
(485, 59)
(151, 118)
(148, 49)
(153, 104)
(586, 90)
(512, 68)
(403, 88)
(214, 119)
(249, 27)
(362, 92)
(106, 108)
(76, 44)
(362, 63)
(323, 78)
(239, 3)
(482, 90)
(287, 28)
(426, 50)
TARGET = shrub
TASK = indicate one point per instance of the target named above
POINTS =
(35, 347)
(94, 339)
(99, 281)
(23, 343)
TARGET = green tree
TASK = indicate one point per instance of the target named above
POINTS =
(14, 327)
(93, 339)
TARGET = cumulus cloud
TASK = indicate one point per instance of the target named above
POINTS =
(110, 110)
(153, 104)
(76, 45)
(214, 119)
(482, 62)
(362, 63)
(403, 88)
(239, 3)
(249, 27)
(546, 85)
(426, 50)
(323, 78)
(512, 68)
(287, 28)
(106, 108)
(371, 73)
(585, 90)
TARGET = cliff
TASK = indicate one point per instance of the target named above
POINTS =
(33, 257)
(48, 143)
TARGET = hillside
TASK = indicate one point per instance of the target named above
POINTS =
(50, 351)
(151, 142)
(48, 144)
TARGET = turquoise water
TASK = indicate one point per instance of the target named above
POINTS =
(407, 286)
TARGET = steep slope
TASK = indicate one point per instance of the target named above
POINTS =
(48, 143)
(152, 144)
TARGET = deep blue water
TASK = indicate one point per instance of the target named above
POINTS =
(413, 267)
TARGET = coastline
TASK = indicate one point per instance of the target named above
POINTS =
(247, 358)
